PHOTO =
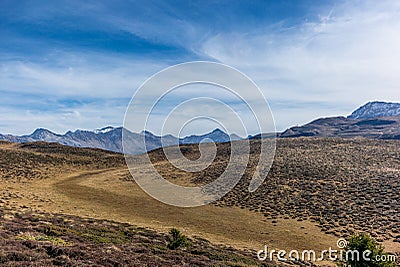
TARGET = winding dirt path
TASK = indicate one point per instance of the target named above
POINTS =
(103, 194)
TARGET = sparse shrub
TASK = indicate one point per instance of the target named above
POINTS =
(54, 251)
(41, 238)
(177, 239)
(361, 243)
(104, 236)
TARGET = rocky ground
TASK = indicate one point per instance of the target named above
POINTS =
(342, 185)
(345, 186)
(32, 237)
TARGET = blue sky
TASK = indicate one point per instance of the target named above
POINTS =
(66, 65)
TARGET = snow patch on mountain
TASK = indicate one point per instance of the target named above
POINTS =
(103, 130)
(376, 109)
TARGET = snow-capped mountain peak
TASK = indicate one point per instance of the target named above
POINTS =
(376, 109)
(42, 134)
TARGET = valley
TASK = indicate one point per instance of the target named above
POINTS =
(317, 191)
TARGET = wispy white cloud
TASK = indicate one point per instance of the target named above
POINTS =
(69, 91)
(71, 75)
(347, 57)
(16, 120)
(77, 66)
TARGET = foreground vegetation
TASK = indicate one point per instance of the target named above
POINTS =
(41, 239)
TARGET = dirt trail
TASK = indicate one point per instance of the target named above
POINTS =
(103, 194)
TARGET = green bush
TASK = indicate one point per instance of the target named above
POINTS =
(177, 239)
(43, 238)
(363, 242)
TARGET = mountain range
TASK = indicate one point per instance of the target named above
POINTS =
(110, 138)
(379, 120)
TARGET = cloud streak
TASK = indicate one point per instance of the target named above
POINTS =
(90, 91)
(68, 65)
(347, 57)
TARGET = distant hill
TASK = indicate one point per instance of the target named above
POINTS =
(377, 120)
(110, 138)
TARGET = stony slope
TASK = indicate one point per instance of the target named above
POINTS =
(344, 185)
(341, 185)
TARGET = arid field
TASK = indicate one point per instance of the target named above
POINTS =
(64, 205)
